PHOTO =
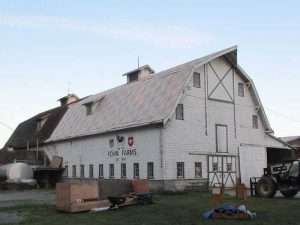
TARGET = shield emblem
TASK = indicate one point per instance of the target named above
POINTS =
(130, 141)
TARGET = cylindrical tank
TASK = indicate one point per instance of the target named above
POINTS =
(16, 171)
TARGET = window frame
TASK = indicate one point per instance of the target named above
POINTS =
(100, 175)
(111, 170)
(89, 108)
(74, 170)
(180, 168)
(198, 83)
(179, 112)
(82, 172)
(255, 121)
(241, 89)
(123, 170)
(133, 77)
(201, 174)
(229, 166)
(136, 170)
(227, 138)
(150, 170)
(91, 170)
(66, 171)
(215, 166)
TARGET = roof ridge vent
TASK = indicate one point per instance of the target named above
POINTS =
(68, 99)
(141, 73)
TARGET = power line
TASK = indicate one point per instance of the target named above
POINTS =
(6, 126)
(282, 115)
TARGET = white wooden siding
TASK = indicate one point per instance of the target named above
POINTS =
(95, 150)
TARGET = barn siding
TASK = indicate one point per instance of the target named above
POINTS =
(95, 151)
(188, 136)
(179, 138)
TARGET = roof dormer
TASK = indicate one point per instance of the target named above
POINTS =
(141, 73)
(68, 99)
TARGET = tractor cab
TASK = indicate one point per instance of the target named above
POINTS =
(284, 177)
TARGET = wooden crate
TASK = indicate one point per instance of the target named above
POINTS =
(78, 197)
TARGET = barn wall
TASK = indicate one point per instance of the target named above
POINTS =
(183, 137)
(96, 150)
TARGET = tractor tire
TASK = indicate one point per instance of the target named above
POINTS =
(266, 187)
(289, 193)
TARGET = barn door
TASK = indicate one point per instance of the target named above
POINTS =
(221, 138)
(253, 160)
(222, 170)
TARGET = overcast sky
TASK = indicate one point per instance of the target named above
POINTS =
(48, 47)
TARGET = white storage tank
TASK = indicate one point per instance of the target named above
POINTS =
(16, 172)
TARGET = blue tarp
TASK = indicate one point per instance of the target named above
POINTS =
(229, 210)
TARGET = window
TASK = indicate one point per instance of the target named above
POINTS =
(294, 169)
(41, 122)
(150, 170)
(136, 172)
(81, 170)
(123, 170)
(179, 112)
(229, 167)
(111, 143)
(89, 108)
(111, 170)
(133, 77)
(180, 169)
(66, 171)
(215, 166)
(255, 121)
(241, 91)
(198, 169)
(91, 171)
(74, 171)
(221, 138)
(196, 80)
(100, 171)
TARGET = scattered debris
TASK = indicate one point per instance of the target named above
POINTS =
(80, 197)
(100, 209)
(228, 211)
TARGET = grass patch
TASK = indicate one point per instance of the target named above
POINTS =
(183, 209)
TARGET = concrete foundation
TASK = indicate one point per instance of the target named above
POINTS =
(117, 187)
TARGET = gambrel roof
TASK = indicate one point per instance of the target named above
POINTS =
(27, 133)
(141, 103)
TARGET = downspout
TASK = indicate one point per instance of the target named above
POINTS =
(161, 150)
(37, 149)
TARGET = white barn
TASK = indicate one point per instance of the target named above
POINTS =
(196, 123)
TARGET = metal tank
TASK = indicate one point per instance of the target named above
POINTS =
(16, 172)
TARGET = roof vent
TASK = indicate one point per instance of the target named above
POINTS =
(141, 73)
(66, 100)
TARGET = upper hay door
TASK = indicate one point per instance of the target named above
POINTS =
(220, 81)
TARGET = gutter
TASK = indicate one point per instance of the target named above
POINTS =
(282, 142)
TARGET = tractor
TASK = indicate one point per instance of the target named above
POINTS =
(284, 177)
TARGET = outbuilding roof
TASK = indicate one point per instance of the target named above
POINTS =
(290, 138)
(139, 103)
(28, 133)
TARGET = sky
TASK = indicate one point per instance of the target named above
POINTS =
(50, 48)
